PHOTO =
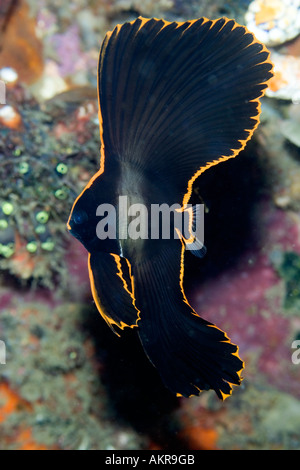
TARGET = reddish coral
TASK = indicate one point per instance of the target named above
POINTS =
(25, 441)
(22, 261)
(77, 124)
(21, 49)
(10, 118)
(9, 401)
(200, 438)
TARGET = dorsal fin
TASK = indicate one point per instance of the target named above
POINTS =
(177, 98)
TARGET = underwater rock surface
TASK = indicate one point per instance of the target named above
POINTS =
(51, 396)
(39, 177)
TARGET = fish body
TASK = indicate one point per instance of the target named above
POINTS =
(174, 100)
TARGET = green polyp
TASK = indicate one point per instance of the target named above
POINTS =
(42, 217)
(23, 168)
(62, 168)
(48, 245)
(39, 229)
(7, 208)
(17, 152)
(31, 247)
(61, 193)
(7, 250)
(3, 224)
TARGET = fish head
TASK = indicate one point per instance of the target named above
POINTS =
(85, 217)
(82, 220)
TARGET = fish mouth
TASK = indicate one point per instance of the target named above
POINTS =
(85, 238)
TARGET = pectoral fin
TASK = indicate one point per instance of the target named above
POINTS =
(113, 289)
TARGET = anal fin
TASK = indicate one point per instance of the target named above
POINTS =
(190, 353)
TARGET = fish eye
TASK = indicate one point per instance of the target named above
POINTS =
(80, 216)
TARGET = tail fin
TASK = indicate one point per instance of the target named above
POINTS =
(190, 353)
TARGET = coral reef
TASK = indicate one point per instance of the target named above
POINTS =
(50, 394)
(285, 83)
(251, 293)
(260, 419)
(274, 21)
(288, 268)
(66, 383)
(21, 49)
(44, 163)
(147, 8)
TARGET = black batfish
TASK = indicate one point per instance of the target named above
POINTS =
(174, 100)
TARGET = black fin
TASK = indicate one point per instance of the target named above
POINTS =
(113, 290)
(190, 353)
(176, 98)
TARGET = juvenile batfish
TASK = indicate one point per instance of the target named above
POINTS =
(174, 100)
